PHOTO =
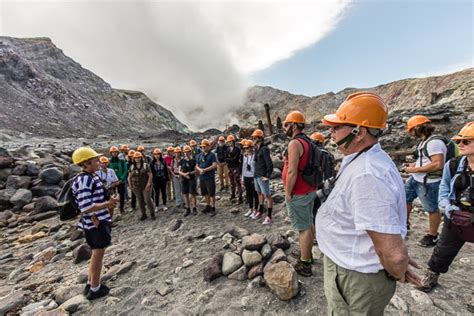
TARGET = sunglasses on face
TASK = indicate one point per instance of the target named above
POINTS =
(337, 127)
(465, 142)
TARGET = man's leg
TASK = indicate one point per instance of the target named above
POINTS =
(95, 266)
(434, 222)
(306, 244)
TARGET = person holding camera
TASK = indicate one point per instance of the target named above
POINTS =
(248, 171)
(120, 168)
(456, 198)
(187, 171)
(233, 159)
(299, 195)
(108, 177)
(361, 226)
(96, 219)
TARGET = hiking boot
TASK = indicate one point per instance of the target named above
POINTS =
(195, 211)
(86, 289)
(241, 200)
(429, 281)
(144, 217)
(428, 241)
(187, 212)
(267, 221)
(103, 291)
(303, 269)
(212, 212)
(249, 212)
(153, 217)
(207, 209)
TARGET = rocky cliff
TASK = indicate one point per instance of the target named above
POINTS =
(447, 100)
(46, 93)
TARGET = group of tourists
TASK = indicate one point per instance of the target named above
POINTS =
(359, 215)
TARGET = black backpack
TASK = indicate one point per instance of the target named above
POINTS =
(321, 163)
(68, 208)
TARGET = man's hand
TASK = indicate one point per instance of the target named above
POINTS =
(113, 201)
(288, 197)
(148, 187)
(95, 220)
(410, 275)
(264, 179)
(410, 169)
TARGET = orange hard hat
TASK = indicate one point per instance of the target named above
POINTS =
(156, 151)
(103, 159)
(140, 148)
(187, 149)
(113, 149)
(221, 138)
(294, 117)
(192, 142)
(124, 147)
(170, 149)
(177, 150)
(467, 132)
(248, 143)
(257, 133)
(205, 143)
(131, 153)
(361, 109)
(415, 121)
(317, 137)
(137, 154)
(230, 138)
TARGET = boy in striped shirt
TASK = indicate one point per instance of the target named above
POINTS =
(96, 220)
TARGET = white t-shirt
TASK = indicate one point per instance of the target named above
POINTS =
(434, 147)
(248, 160)
(369, 195)
(108, 178)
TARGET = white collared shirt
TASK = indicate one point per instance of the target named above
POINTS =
(369, 195)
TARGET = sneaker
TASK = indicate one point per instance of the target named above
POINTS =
(207, 209)
(165, 208)
(194, 211)
(267, 221)
(429, 281)
(144, 217)
(257, 215)
(250, 212)
(86, 289)
(303, 269)
(187, 212)
(212, 212)
(103, 291)
(153, 217)
(428, 241)
(157, 209)
(241, 200)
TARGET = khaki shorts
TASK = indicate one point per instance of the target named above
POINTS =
(300, 211)
(353, 293)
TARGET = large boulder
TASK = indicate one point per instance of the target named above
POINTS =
(5, 173)
(6, 195)
(18, 182)
(251, 258)
(282, 280)
(213, 270)
(277, 240)
(20, 170)
(12, 301)
(5, 162)
(82, 253)
(240, 274)
(46, 190)
(33, 170)
(231, 263)
(45, 203)
(255, 271)
(71, 170)
(253, 242)
(21, 197)
(51, 175)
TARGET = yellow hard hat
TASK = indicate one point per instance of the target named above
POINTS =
(83, 154)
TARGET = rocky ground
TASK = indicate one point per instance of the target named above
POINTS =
(159, 267)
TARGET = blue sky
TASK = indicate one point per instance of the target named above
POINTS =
(378, 42)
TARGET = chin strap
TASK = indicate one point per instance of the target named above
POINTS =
(346, 141)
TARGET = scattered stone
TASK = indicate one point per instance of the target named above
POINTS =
(257, 282)
(251, 258)
(45, 203)
(13, 300)
(75, 303)
(399, 303)
(19, 170)
(282, 280)
(34, 308)
(35, 267)
(45, 255)
(465, 260)
(188, 250)
(255, 271)
(76, 235)
(206, 296)
(277, 256)
(32, 170)
(175, 225)
(214, 268)
(238, 232)
(187, 263)
(290, 233)
(30, 238)
(6, 195)
(41, 216)
(54, 312)
(152, 264)
(112, 300)
(276, 240)
(81, 253)
(278, 198)
(18, 182)
(51, 175)
(46, 190)
(21, 197)
(240, 274)
(253, 242)
(228, 238)
(266, 251)
(230, 263)
(5, 162)
(444, 306)
(245, 301)
(208, 239)
(421, 297)
(164, 289)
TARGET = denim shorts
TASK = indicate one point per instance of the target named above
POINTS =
(262, 186)
(427, 193)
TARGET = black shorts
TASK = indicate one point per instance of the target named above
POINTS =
(188, 186)
(208, 187)
(99, 238)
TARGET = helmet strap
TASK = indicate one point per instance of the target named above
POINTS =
(346, 141)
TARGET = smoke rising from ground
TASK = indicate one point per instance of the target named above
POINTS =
(194, 58)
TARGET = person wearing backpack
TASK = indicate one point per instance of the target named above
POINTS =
(187, 171)
(176, 178)
(222, 168)
(456, 199)
(361, 226)
(119, 166)
(160, 178)
(299, 195)
(263, 172)
(140, 181)
(89, 194)
(425, 175)
(248, 171)
(233, 159)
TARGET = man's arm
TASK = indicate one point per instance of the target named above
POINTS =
(436, 164)
(294, 153)
(392, 252)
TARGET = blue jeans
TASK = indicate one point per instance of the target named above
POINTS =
(262, 186)
(427, 193)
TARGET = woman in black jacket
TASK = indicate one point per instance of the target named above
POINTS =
(160, 178)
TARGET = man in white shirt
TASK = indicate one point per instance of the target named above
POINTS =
(361, 226)
(426, 175)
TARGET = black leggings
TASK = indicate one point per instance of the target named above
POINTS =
(121, 192)
(252, 196)
(159, 184)
(446, 249)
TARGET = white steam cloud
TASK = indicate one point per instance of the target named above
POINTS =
(195, 58)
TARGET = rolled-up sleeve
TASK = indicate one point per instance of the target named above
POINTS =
(84, 194)
(375, 205)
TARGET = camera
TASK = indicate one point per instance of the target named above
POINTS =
(248, 167)
(323, 193)
(466, 199)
